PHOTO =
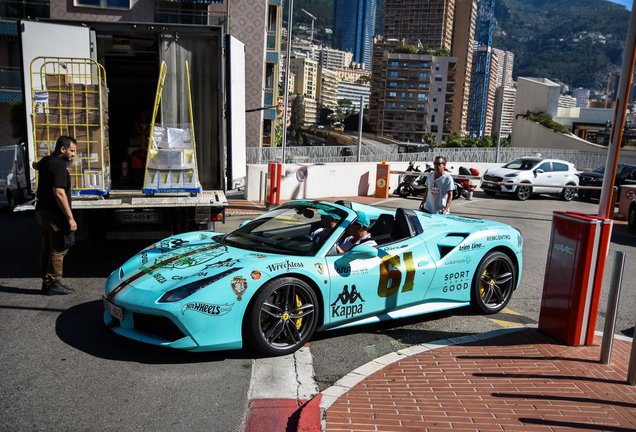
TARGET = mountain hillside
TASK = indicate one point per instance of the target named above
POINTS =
(578, 43)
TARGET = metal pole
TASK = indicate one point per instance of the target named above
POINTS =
(631, 370)
(627, 70)
(286, 96)
(360, 126)
(612, 306)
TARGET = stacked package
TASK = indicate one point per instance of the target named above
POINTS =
(171, 162)
(76, 105)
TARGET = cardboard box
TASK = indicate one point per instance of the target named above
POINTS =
(57, 81)
(84, 134)
(93, 95)
(49, 133)
(77, 95)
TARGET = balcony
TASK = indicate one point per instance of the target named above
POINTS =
(10, 78)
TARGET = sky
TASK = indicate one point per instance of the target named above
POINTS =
(626, 3)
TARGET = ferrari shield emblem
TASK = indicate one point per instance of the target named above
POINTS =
(320, 268)
(239, 286)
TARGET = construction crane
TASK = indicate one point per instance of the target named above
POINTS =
(313, 19)
(482, 68)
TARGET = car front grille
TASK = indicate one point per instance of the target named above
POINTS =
(493, 178)
(158, 326)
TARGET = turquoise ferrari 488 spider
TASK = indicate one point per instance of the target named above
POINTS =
(279, 278)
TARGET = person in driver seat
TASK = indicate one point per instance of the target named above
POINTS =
(328, 222)
(357, 233)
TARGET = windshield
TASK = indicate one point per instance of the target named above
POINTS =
(290, 229)
(522, 164)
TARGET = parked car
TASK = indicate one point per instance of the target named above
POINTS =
(13, 181)
(539, 176)
(270, 284)
(625, 174)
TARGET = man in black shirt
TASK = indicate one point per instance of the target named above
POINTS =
(53, 213)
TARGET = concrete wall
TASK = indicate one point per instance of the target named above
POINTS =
(527, 133)
(537, 95)
(332, 180)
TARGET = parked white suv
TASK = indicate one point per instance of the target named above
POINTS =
(540, 176)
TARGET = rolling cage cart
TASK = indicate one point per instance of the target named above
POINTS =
(171, 159)
(70, 97)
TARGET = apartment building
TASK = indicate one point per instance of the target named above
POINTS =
(306, 76)
(334, 59)
(411, 94)
(463, 41)
(429, 22)
(504, 111)
(353, 92)
(483, 116)
(328, 88)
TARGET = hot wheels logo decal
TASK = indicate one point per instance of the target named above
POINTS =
(207, 309)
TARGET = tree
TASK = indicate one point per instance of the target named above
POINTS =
(297, 117)
(405, 49)
(278, 135)
(364, 79)
(455, 140)
(429, 139)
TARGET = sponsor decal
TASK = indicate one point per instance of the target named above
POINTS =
(519, 240)
(469, 247)
(498, 237)
(435, 225)
(207, 308)
(394, 247)
(239, 286)
(285, 266)
(255, 275)
(465, 220)
(347, 308)
(159, 278)
(204, 236)
(190, 256)
(464, 260)
(227, 263)
(456, 281)
(564, 249)
(256, 255)
(144, 258)
(320, 268)
(180, 278)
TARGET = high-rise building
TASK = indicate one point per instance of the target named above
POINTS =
(353, 92)
(353, 28)
(482, 107)
(328, 88)
(428, 21)
(505, 62)
(504, 111)
(412, 95)
(582, 97)
(439, 24)
(306, 76)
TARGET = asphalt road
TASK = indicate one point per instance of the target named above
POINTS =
(63, 370)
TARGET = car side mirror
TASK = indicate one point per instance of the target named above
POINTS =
(357, 252)
(538, 171)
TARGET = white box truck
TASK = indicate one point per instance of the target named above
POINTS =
(131, 55)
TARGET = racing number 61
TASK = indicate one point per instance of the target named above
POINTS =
(391, 275)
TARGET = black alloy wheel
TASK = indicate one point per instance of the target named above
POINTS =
(282, 316)
(493, 283)
(523, 192)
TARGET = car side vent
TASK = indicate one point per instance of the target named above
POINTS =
(450, 242)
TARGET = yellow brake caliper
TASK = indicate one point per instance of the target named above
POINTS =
(482, 290)
(299, 321)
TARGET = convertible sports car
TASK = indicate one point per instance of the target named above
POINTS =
(272, 284)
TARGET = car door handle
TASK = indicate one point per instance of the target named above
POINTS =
(423, 263)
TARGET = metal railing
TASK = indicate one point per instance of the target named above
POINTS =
(389, 152)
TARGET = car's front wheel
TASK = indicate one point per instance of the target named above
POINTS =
(523, 192)
(282, 316)
(568, 193)
(493, 283)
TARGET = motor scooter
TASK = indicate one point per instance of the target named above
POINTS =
(413, 184)
(462, 185)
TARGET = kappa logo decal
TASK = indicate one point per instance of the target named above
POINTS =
(347, 309)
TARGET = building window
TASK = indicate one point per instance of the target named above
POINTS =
(433, 118)
(392, 84)
(438, 77)
(434, 128)
(439, 87)
(424, 65)
(436, 66)
(392, 94)
(423, 76)
(434, 98)
(393, 64)
(393, 74)
(421, 96)
(106, 4)
(435, 108)
(423, 86)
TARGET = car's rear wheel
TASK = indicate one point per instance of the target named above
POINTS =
(493, 283)
(282, 317)
(523, 192)
(631, 216)
(568, 193)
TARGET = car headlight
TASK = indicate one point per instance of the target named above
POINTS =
(187, 290)
(512, 175)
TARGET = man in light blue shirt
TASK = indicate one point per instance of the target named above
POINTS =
(440, 186)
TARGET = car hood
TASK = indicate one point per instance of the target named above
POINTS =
(501, 172)
(190, 257)
(591, 174)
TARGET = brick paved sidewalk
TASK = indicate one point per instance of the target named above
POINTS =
(519, 381)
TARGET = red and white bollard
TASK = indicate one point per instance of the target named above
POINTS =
(471, 190)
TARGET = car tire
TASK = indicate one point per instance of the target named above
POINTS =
(490, 193)
(282, 316)
(523, 192)
(568, 193)
(10, 201)
(493, 283)
(631, 216)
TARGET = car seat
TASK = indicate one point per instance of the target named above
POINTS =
(382, 229)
